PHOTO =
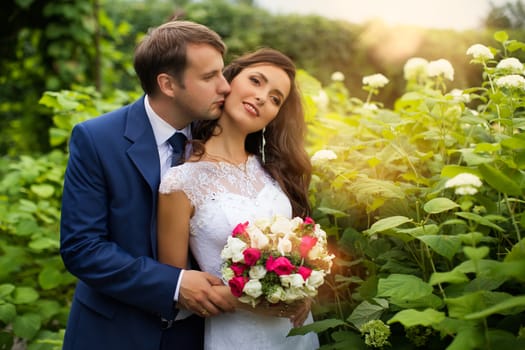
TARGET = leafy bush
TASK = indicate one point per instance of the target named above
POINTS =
(426, 205)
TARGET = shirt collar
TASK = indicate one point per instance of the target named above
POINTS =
(161, 129)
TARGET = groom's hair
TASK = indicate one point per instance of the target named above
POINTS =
(163, 50)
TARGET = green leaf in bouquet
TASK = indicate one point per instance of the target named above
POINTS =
(318, 326)
(439, 205)
(411, 318)
(387, 224)
(367, 311)
(444, 245)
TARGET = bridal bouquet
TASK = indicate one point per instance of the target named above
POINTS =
(276, 260)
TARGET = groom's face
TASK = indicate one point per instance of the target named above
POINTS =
(204, 88)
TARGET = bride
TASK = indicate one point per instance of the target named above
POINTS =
(247, 165)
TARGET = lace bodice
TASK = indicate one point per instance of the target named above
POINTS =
(223, 195)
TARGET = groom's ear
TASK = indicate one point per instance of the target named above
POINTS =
(167, 84)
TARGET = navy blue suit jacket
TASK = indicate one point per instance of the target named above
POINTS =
(108, 237)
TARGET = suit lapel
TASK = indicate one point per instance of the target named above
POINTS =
(144, 153)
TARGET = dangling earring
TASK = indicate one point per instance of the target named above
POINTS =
(263, 143)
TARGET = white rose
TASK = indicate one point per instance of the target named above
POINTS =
(293, 280)
(249, 300)
(310, 291)
(233, 249)
(316, 279)
(293, 294)
(317, 251)
(227, 273)
(257, 238)
(281, 225)
(257, 272)
(253, 288)
(284, 246)
(277, 294)
(263, 223)
(319, 233)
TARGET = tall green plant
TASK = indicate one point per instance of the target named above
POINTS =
(428, 199)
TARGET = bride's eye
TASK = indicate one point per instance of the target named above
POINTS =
(255, 80)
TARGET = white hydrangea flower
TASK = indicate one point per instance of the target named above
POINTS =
(511, 81)
(375, 80)
(321, 99)
(481, 52)
(370, 106)
(322, 155)
(338, 76)
(253, 288)
(414, 68)
(459, 95)
(440, 67)
(464, 183)
(511, 65)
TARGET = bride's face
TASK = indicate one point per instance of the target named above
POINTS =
(257, 94)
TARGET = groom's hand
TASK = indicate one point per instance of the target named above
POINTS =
(197, 295)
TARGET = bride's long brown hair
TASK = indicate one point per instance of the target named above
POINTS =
(285, 157)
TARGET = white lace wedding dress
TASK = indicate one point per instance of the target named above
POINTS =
(223, 196)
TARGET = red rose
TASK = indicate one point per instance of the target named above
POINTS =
(282, 266)
(307, 242)
(238, 269)
(237, 284)
(251, 255)
(304, 271)
(240, 230)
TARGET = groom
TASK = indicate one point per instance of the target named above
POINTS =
(124, 298)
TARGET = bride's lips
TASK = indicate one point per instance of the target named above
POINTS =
(251, 108)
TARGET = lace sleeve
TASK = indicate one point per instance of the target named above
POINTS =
(180, 178)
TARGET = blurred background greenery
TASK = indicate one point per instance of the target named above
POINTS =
(55, 44)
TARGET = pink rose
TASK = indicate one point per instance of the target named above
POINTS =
(240, 230)
(282, 266)
(307, 242)
(238, 269)
(237, 285)
(309, 221)
(304, 271)
(269, 263)
(251, 255)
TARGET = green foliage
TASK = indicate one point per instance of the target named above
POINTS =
(430, 203)
(35, 288)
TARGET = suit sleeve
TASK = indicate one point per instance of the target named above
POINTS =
(94, 246)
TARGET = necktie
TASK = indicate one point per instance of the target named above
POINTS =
(177, 142)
